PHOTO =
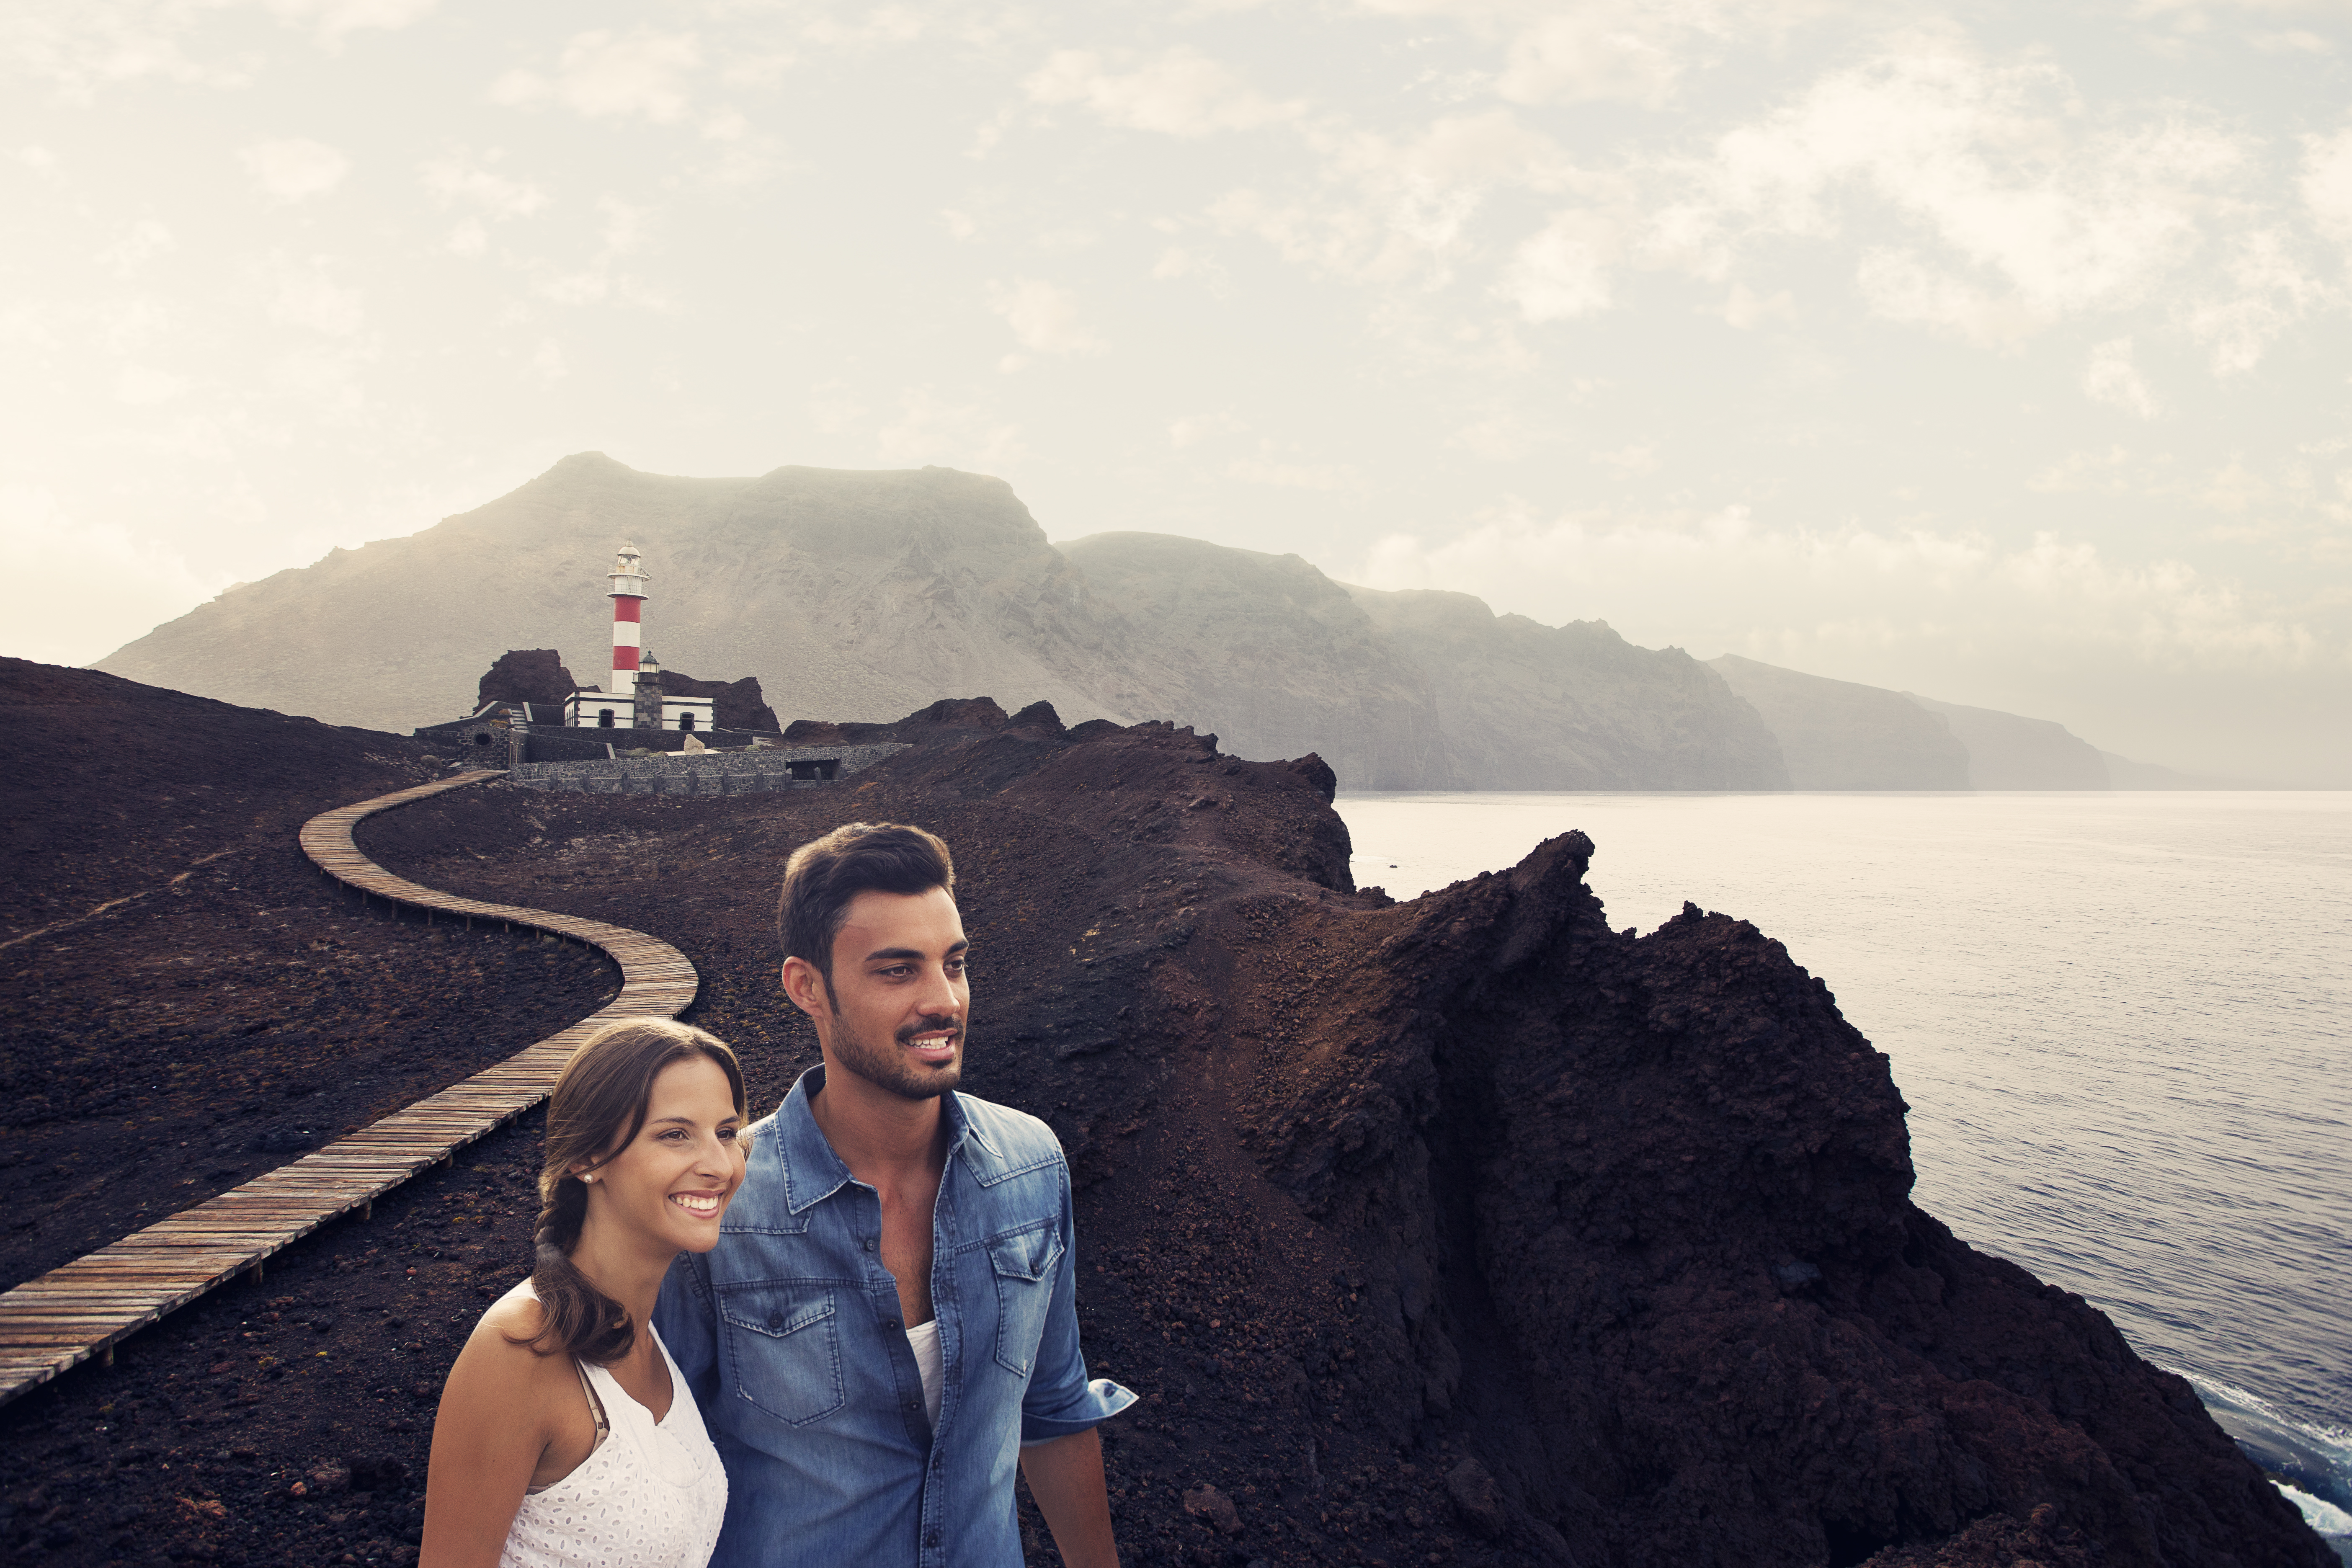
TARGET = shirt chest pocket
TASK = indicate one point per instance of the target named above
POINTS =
(1023, 1264)
(784, 1343)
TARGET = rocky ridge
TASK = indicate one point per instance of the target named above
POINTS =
(863, 595)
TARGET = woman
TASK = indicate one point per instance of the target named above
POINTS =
(566, 1434)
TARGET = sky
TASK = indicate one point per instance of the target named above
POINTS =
(1995, 351)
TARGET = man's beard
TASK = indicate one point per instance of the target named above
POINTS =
(887, 1069)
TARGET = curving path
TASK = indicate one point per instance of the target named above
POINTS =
(82, 1309)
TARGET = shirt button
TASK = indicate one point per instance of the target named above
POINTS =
(867, 1244)
(775, 1321)
(933, 1539)
(939, 1463)
(890, 1323)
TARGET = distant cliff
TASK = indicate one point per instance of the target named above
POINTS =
(2006, 752)
(866, 595)
(1529, 706)
(1837, 734)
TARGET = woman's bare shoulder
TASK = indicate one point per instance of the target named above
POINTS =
(504, 1344)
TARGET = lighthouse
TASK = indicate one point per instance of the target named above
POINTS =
(628, 595)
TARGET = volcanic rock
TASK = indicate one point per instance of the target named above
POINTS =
(1374, 1201)
(734, 704)
(526, 674)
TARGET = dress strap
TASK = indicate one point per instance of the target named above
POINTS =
(595, 1406)
(596, 1409)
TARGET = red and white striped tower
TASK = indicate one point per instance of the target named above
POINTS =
(628, 580)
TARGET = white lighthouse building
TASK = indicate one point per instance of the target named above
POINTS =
(627, 703)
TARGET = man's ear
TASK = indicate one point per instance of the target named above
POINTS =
(804, 987)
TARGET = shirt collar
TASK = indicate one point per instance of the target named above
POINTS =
(812, 1172)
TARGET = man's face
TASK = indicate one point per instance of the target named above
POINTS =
(895, 1012)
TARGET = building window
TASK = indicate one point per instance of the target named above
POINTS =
(603, 719)
(686, 720)
(483, 739)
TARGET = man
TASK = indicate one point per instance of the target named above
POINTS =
(888, 1321)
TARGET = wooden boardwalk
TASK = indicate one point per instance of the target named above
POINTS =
(62, 1317)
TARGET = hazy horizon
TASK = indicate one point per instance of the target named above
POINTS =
(1986, 351)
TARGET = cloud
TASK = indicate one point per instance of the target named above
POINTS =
(144, 240)
(1180, 93)
(307, 296)
(1900, 285)
(292, 170)
(1045, 320)
(461, 177)
(2110, 378)
(641, 74)
(929, 428)
(1266, 470)
(1195, 428)
(1595, 53)
(332, 20)
(81, 45)
(2043, 211)
(1559, 273)
(2265, 291)
(140, 384)
(2326, 184)
(1398, 209)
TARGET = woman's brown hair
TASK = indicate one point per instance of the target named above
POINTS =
(597, 1109)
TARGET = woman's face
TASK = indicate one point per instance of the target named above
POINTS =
(673, 1180)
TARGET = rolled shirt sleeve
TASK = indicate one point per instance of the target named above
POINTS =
(1060, 1399)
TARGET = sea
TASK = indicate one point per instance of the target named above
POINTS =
(2122, 1022)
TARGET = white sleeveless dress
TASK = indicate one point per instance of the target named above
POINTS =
(651, 1495)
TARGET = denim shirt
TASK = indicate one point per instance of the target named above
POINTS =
(789, 1335)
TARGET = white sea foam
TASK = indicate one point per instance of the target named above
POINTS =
(2322, 1516)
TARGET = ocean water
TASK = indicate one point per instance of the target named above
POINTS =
(2121, 1020)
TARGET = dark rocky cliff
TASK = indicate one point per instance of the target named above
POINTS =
(526, 674)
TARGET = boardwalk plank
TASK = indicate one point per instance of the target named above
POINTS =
(52, 1322)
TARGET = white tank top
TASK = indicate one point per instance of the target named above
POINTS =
(651, 1495)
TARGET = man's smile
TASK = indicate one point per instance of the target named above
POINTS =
(936, 1045)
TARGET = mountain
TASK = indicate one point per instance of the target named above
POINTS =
(854, 594)
(859, 595)
(1836, 734)
(2006, 752)
(1265, 650)
(1529, 706)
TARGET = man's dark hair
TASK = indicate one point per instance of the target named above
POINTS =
(824, 874)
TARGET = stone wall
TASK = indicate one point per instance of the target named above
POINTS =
(749, 771)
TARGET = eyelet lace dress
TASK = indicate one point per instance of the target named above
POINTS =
(651, 1495)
